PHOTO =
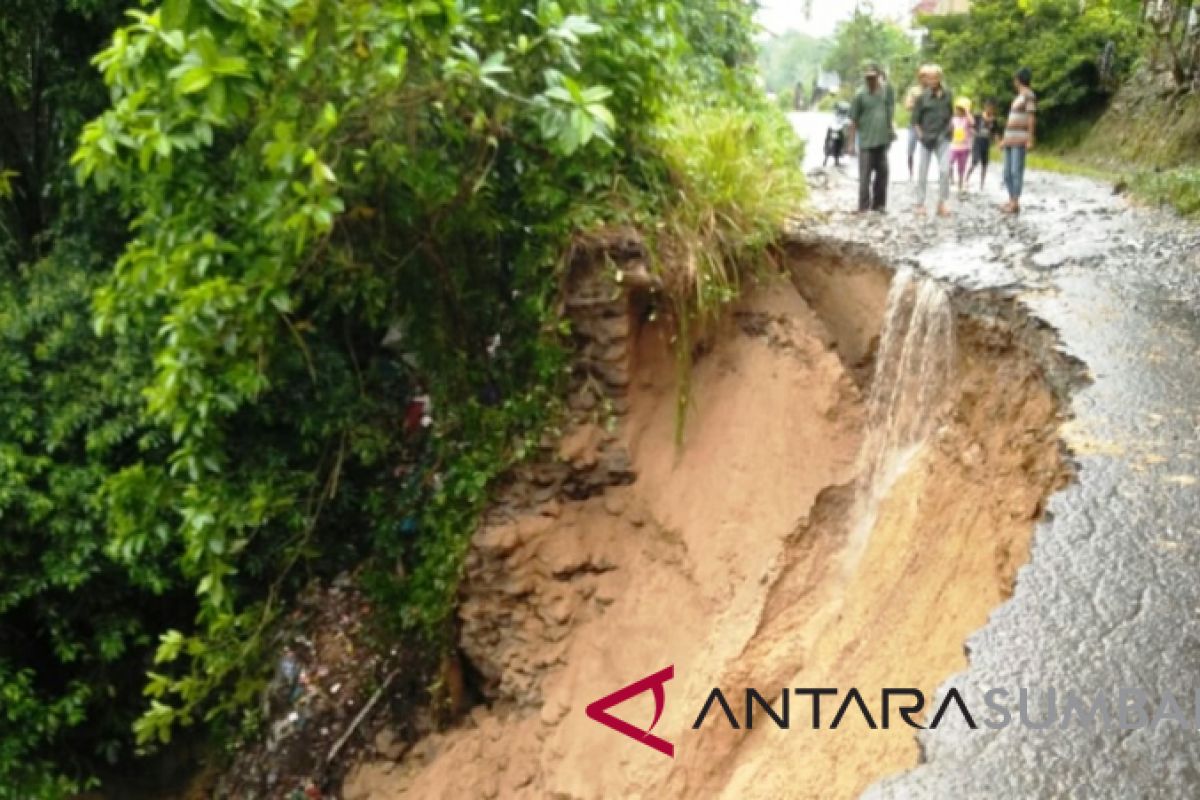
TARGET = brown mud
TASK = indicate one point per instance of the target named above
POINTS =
(722, 559)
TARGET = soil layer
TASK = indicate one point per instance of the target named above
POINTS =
(722, 559)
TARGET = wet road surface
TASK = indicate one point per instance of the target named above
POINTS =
(1111, 596)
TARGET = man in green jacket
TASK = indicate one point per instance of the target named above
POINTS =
(932, 117)
(871, 117)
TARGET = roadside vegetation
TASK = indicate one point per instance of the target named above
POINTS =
(1116, 82)
(789, 62)
(793, 61)
(1178, 188)
(733, 179)
(285, 307)
(1062, 41)
(279, 284)
(1048, 161)
(865, 37)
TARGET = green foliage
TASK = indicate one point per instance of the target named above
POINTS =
(1175, 43)
(791, 59)
(1061, 41)
(713, 47)
(828, 102)
(786, 100)
(47, 90)
(73, 621)
(339, 208)
(1177, 188)
(734, 176)
(304, 175)
(863, 37)
(1147, 126)
(1044, 160)
(263, 147)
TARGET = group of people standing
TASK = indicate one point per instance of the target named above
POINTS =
(940, 128)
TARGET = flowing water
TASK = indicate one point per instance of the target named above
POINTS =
(913, 370)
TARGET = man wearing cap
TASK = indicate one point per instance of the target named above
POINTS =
(871, 115)
(933, 116)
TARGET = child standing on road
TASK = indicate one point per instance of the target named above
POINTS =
(985, 131)
(962, 136)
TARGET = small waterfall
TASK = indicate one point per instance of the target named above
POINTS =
(913, 369)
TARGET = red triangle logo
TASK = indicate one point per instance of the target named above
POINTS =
(598, 710)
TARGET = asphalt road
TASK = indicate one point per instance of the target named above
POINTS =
(1111, 596)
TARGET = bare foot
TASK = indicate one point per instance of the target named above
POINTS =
(943, 211)
(919, 211)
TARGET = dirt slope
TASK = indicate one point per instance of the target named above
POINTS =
(721, 559)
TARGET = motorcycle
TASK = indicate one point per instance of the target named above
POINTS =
(835, 135)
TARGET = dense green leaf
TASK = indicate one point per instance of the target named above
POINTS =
(300, 312)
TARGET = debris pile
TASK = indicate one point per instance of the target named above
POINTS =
(322, 706)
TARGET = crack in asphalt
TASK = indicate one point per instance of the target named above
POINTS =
(1111, 594)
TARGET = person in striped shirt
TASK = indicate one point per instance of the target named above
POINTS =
(1019, 136)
